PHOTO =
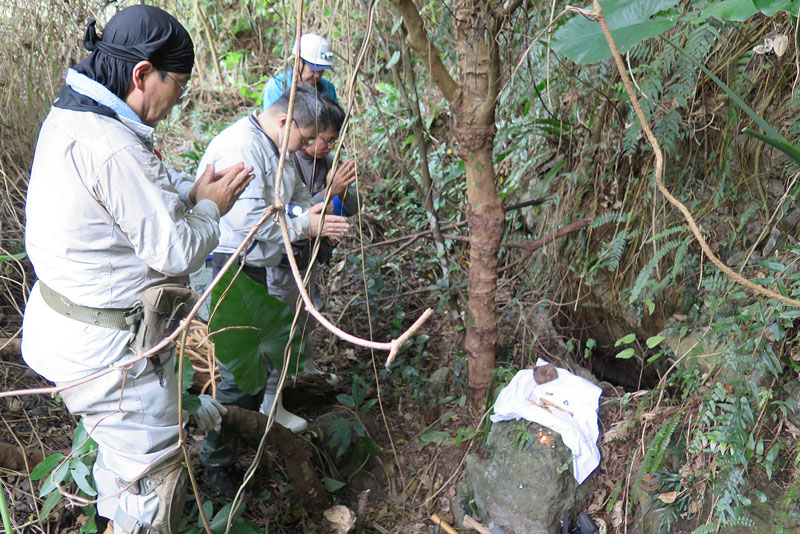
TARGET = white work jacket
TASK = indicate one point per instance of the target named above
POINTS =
(105, 219)
(245, 141)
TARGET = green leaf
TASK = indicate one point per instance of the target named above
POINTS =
(90, 526)
(654, 341)
(388, 89)
(46, 466)
(625, 354)
(188, 374)
(191, 403)
(733, 10)
(18, 256)
(630, 338)
(332, 485)
(221, 519)
(341, 434)
(249, 324)
(346, 400)
(397, 24)
(80, 474)
(367, 405)
(393, 60)
(781, 144)
(49, 504)
(630, 22)
(208, 510)
(58, 478)
(777, 331)
(772, 7)
(437, 437)
(82, 444)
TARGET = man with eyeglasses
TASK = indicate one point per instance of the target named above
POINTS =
(184, 87)
(257, 139)
(314, 164)
(107, 222)
(315, 58)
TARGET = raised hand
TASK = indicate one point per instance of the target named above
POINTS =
(345, 175)
(333, 226)
(223, 187)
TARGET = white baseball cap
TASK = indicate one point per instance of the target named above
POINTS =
(315, 51)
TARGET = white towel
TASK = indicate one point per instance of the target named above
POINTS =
(578, 428)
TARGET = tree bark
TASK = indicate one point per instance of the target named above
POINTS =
(299, 467)
(475, 130)
(472, 101)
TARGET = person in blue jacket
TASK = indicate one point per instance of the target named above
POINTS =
(316, 57)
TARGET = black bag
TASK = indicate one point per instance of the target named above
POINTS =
(583, 524)
(302, 253)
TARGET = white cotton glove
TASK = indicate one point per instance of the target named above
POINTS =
(209, 415)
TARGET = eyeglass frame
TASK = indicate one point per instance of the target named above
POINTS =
(306, 141)
(330, 143)
(183, 89)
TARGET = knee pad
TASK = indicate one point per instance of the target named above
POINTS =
(172, 496)
(169, 484)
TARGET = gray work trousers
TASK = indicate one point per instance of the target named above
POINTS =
(220, 448)
(133, 418)
(282, 285)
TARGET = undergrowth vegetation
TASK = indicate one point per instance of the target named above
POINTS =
(701, 420)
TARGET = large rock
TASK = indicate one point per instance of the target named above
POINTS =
(524, 484)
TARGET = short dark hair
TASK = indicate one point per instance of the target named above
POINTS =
(334, 116)
(309, 110)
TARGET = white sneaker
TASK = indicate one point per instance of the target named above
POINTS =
(293, 422)
(312, 369)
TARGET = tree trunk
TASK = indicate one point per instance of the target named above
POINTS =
(475, 131)
(486, 230)
(472, 101)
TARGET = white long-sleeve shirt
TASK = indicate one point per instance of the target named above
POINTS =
(105, 219)
(245, 141)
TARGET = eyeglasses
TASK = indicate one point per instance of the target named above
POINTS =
(183, 88)
(307, 141)
(330, 142)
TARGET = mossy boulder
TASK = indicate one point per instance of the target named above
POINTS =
(522, 482)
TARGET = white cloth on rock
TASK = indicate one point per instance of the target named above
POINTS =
(577, 425)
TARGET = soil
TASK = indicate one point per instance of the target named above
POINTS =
(399, 499)
(404, 483)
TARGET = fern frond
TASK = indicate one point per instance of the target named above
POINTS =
(644, 274)
(668, 232)
(658, 447)
(609, 217)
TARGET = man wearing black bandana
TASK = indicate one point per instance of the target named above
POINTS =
(106, 220)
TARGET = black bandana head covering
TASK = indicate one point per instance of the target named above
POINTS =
(137, 33)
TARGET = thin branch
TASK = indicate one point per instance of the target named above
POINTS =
(418, 40)
(210, 40)
(539, 243)
(525, 204)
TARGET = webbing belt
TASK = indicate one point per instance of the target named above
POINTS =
(117, 318)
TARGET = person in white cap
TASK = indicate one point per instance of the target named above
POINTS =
(316, 57)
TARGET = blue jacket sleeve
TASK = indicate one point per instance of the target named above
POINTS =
(330, 90)
(274, 89)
